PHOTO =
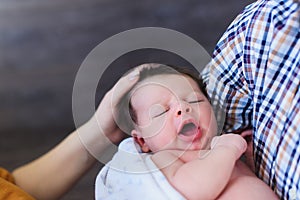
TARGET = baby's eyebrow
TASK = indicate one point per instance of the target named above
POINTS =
(198, 92)
(161, 102)
(194, 93)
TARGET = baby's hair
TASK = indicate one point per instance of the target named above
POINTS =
(126, 117)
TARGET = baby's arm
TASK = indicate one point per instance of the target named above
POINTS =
(203, 178)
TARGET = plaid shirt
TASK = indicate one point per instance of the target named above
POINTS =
(255, 76)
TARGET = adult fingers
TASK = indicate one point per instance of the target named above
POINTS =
(124, 84)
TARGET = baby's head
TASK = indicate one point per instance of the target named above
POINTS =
(168, 108)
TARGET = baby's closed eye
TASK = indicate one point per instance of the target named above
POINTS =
(196, 101)
(158, 110)
(195, 97)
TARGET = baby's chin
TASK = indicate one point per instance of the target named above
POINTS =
(188, 147)
(193, 147)
(203, 144)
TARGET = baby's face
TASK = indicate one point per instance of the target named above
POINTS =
(172, 113)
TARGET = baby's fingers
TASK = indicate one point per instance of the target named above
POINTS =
(232, 141)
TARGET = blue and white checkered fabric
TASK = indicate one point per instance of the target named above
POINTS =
(255, 76)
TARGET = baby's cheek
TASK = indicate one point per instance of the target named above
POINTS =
(204, 117)
(156, 125)
(151, 132)
(164, 142)
(208, 123)
(143, 120)
(157, 143)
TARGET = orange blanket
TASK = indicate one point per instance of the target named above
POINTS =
(8, 190)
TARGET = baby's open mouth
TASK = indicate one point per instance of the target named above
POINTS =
(190, 132)
(189, 129)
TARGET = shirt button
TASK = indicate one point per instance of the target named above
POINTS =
(293, 193)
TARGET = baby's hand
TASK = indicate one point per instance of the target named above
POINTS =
(233, 141)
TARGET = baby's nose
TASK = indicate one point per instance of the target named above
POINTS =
(183, 107)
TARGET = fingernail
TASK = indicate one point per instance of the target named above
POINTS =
(133, 75)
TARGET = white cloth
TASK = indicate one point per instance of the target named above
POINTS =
(132, 175)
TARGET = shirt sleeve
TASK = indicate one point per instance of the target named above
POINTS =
(253, 80)
(226, 78)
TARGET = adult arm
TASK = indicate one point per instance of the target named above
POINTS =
(53, 174)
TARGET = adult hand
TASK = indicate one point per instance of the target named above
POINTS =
(102, 130)
(107, 108)
(106, 112)
(80, 148)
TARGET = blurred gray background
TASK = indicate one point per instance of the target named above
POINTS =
(43, 43)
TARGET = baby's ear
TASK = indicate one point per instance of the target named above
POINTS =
(140, 141)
